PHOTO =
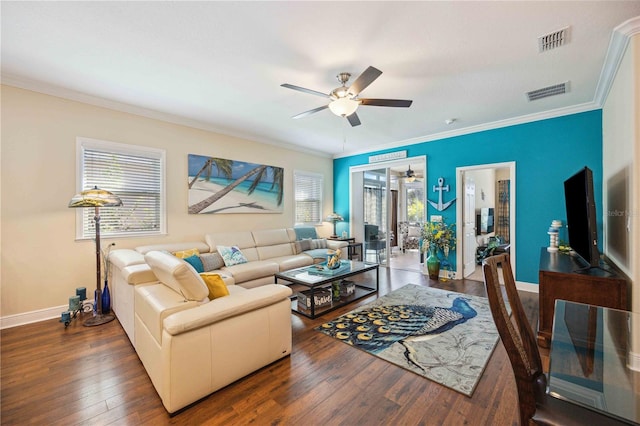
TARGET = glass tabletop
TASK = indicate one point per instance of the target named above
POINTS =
(318, 273)
(595, 359)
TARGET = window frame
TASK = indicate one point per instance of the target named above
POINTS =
(319, 179)
(82, 144)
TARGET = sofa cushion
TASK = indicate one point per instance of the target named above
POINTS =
(303, 245)
(291, 262)
(174, 247)
(276, 250)
(252, 270)
(154, 303)
(195, 261)
(319, 243)
(231, 255)
(270, 237)
(215, 284)
(211, 261)
(183, 254)
(317, 253)
(243, 240)
(177, 274)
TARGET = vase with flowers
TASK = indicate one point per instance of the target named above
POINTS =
(437, 237)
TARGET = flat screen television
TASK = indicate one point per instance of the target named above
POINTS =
(581, 216)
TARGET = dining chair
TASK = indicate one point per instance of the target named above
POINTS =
(536, 406)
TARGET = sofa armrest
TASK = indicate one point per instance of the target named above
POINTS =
(225, 307)
(342, 245)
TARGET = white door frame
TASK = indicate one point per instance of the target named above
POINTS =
(511, 165)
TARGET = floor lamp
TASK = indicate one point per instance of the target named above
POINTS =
(97, 198)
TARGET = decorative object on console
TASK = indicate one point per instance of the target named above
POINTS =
(553, 235)
(334, 218)
(97, 198)
(440, 206)
(236, 187)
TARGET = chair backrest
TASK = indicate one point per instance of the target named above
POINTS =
(370, 232)
(518, 340)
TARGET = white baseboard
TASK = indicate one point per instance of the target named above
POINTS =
(531, 288)
(633, 361)
(31, 317)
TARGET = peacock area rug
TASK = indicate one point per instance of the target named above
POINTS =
(444, 336)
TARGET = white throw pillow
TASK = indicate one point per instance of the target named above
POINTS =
(231, 255)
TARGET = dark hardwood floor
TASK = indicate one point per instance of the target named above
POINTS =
(91, 375)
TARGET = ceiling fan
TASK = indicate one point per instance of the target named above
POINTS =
(344, 100)
(410, 176)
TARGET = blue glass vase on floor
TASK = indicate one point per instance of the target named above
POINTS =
(106, 299)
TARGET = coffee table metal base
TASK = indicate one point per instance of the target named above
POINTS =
(298, 277)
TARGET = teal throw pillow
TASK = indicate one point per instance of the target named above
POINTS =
(195, 262)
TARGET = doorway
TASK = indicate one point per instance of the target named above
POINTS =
(486, 215)
(378, 201)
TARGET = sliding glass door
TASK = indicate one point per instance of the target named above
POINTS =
(375, 209)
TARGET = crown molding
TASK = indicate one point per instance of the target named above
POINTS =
(617, 47)
(47, 89)
(523, 119)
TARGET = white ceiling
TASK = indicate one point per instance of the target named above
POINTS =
(219, 65)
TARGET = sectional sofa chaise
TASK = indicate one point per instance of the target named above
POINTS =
(190, 343)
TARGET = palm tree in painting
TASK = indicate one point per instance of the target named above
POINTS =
(223, 166)
(259, 172)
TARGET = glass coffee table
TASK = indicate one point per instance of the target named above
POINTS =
(327, 289)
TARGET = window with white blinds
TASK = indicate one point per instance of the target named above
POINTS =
(308, 197)
(133, 173)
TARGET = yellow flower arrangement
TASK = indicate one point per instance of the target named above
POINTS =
(440, 235)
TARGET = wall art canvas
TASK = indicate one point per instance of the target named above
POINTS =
(218, 185)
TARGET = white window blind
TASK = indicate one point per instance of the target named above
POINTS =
(308, 197)
(136, 175)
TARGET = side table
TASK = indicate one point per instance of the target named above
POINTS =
(353, 249)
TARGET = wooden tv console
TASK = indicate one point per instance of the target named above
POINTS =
(604, 286)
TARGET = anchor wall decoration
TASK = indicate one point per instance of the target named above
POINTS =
(440, 206)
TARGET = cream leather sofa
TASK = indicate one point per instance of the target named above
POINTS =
(267, 251)
(191, 346)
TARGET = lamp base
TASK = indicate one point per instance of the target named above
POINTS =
(99, 319)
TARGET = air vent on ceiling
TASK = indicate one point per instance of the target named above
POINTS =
(553, 40)
(556, 89)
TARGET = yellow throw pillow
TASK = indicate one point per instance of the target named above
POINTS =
(187, 253)
(215, 284)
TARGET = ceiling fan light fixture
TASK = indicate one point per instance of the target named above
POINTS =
(343, 107)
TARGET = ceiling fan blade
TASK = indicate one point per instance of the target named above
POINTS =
(311, 111)
(363, 80)
(386, 102)
(302, 89)
(353, 120)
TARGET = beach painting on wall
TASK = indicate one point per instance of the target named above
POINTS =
(217, 185)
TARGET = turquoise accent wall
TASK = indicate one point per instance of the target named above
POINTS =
(545, 152)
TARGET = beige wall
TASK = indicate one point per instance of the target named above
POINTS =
(621, 174)
(41, 263)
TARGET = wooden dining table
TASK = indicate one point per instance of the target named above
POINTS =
(594, 360)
